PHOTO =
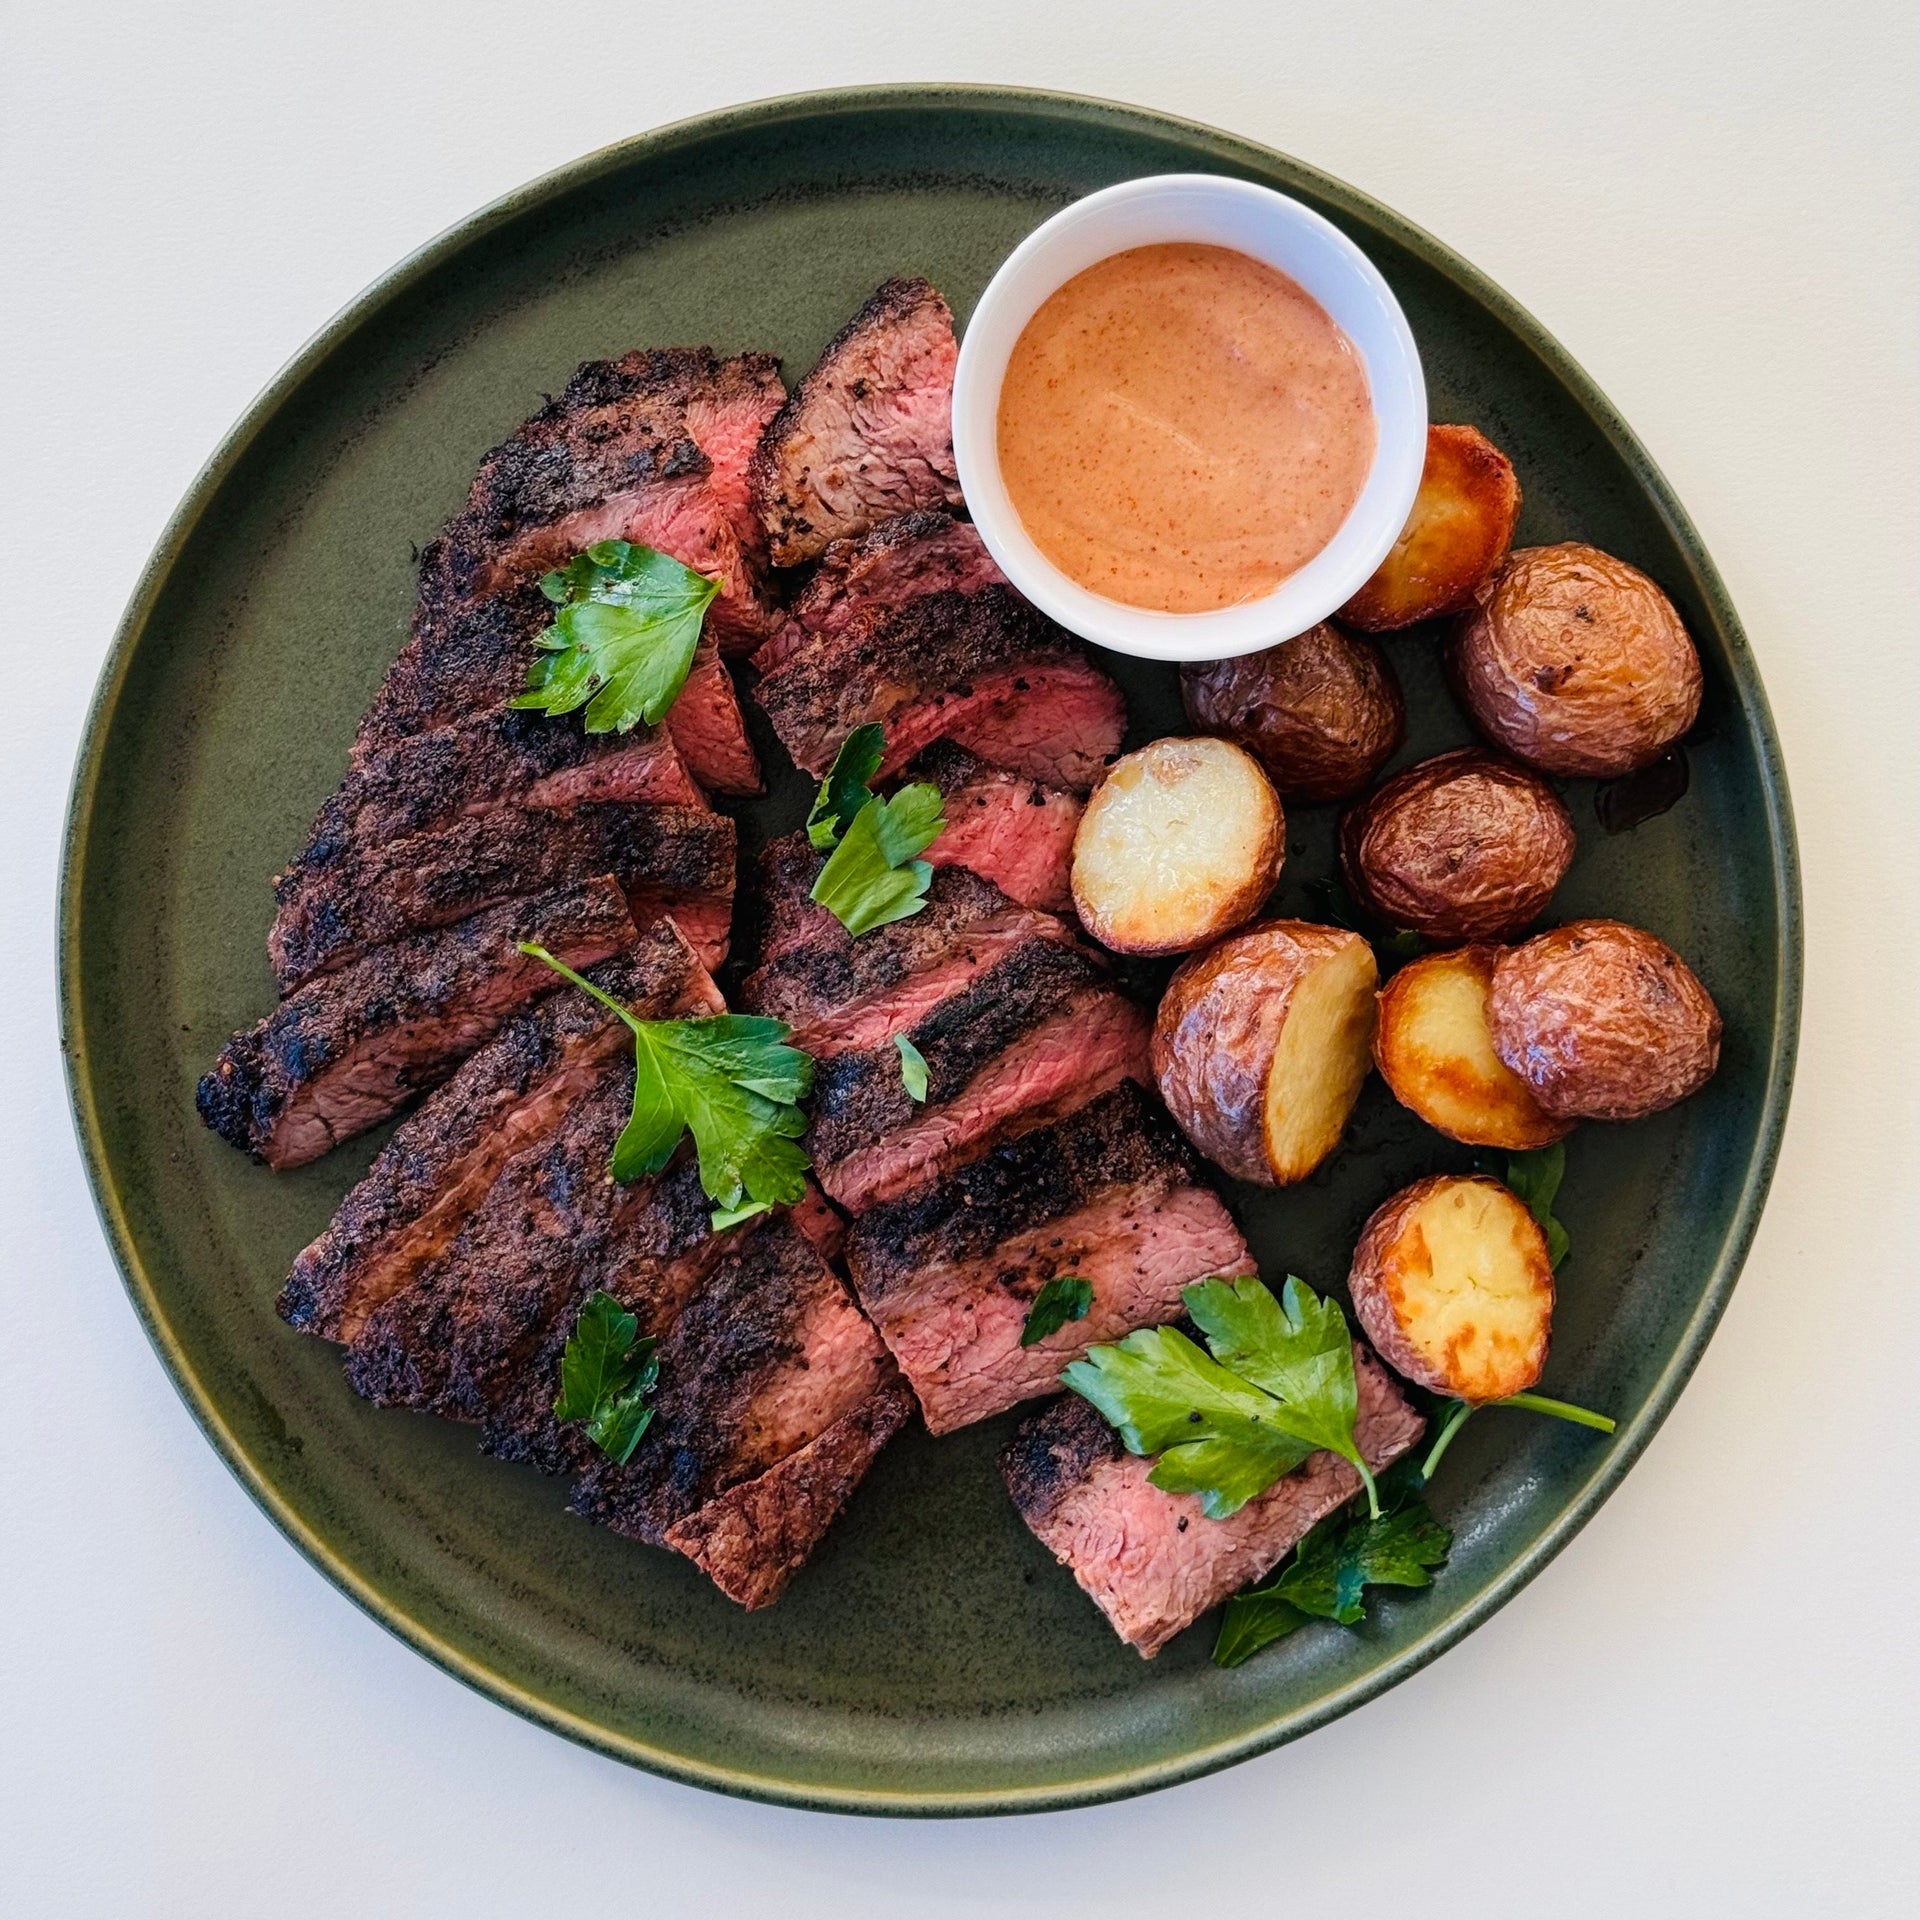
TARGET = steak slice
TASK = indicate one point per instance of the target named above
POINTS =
(660, 855)
(466, 659)
(838, 993)
(1003, 826)
(868, 434)
(471, 765)
(443, 1157)
(900, 560)
(986, 669)
(1029, 1038)
(352, 1047)
(767, 1356)
(652, 448)
(1111, 1193)
(1152, 1562)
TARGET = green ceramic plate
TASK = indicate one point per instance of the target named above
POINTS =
(932, 1659)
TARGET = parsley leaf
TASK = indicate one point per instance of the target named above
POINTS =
(624, 639)
(847, 787)
(1065, 1297)
(1536, 1178)
(913, 1068)
(724, 1217)
(1329, 1574)
(606, 1376)
(872, 877)
(728, 1077)
(1296, 1348)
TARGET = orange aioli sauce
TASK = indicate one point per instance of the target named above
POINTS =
(1181, 427)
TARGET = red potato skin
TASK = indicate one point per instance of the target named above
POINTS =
(1322, 712)
(1575, 662)
(1466, 846)
(1603, 1021)
(1215, 1034)
(1369, 1289)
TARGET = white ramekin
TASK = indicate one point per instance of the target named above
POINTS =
(1210, 209)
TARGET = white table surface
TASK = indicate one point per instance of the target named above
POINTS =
(1707, 1705)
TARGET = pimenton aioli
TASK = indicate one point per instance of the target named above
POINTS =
(1182, 426)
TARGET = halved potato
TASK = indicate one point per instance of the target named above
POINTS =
(1433, 1048)
(1261, 1045)
(1452, 1284)
(1181, 842)
(1460, 526)
(1603, 1021)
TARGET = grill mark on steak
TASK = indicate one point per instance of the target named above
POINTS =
(1001, 825)
(985, 669)
(765, 1358)
(424, 880)
(446, 1154)
(1112, 1194)
(899, 560)
(1151, 1561)
(352, 1047)
(868, 434)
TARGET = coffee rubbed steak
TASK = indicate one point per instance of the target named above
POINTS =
(1151, 1561)
(1001, 825)
(985, 669)
(901, 559)
(948, 1273)
(868, 434)
(445, 1155)
(352, 1047)
(672, 859)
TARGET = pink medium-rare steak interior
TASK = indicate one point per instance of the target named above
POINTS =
(1151, 1561)
(1001, 825)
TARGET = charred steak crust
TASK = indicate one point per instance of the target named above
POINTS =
(869, 432)
(1052, 1451)
(443, 1157)
(1121, 1139)
(898, 656)
(397, 1021)
(859, 1097)
(428, 879)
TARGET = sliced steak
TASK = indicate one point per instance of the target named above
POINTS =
(902, 559)
(838, 993)
(1152, 1562)
(868, 433)
(469, 659)
(1112, 1194)
(352, 1047)
(443, 1157)
(652, 448)
(1003, 826)
(661, 855)
(769, 1354)
(1034, 1035)
(985, 669)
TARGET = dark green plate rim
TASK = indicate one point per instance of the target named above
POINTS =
(1632, 1439)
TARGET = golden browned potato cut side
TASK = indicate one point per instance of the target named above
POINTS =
(1452, 1284)
(1181, 843)
(1461, 525)
(1261, 1045)
(1435, 1051)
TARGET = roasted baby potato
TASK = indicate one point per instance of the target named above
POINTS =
(1461, 524)
(1181, 842)
(1603, 1021)
(1322, 712)
(1434, 1049)
(1452, 1284)
(1465, 846)
(1261, 1044)
(1575, 662)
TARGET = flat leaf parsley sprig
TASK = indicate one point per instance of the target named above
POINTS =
(607, 1375)
(733, 1081)
(872, 875)
(623, 641)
